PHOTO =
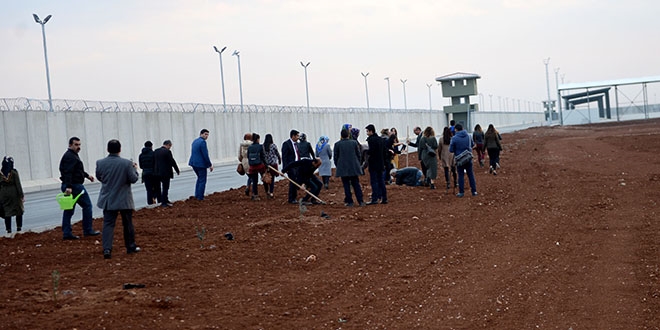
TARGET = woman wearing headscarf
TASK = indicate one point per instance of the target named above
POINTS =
(11, 195)
(324, 152)
(354, 135)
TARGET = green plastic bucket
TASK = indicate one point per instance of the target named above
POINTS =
(67, 202)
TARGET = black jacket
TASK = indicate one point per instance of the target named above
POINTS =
(146, 160)
(72, 170)
(376, 153)
(164, 162)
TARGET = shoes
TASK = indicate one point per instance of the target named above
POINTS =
(270, 196)
(107, 254)
(247, 191)
(497, 166)
(490, 170)
(326, 186)
(475, 193)
(371, 203)
(70, 238)
(362, 204)
(348, 204)
(494, 172)
(256, 198)
(165, 205)
(133, 250)
(93, 233)
(383, 202)
(448, 185)
(432, 186)
(8, 231)
(459, 195)
(18, 229)
(293, 202)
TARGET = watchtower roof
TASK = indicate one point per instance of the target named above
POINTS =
(457, 76)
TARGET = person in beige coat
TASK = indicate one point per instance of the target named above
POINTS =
(243, 158)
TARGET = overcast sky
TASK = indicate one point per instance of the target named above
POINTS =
(125, 50)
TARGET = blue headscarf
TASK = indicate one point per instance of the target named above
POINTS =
(355, 132)
(323, 140)
(347, 127)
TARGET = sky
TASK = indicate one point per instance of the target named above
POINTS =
(162, 51)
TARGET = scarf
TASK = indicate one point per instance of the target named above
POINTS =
(7, 166)
(355, 132)
(323, 140)
(347, 127)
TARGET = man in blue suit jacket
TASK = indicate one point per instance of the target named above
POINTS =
(200, 161)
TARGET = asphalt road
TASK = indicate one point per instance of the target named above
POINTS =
(42, 212)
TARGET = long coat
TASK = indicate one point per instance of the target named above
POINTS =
(431, 162)
(376, 153)
(116, 175)
(347, 158)
(11, 194)
(326, 155)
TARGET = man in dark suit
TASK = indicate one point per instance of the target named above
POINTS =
(418, 132)
(376, 166)
(163, 164)
(347, 160)
(290, 154)
(116, 175)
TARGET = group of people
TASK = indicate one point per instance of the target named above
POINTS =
(299, 161)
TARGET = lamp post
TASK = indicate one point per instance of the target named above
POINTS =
(222, 76)
(561, 119)
(306, 87)
(240, 83)
(43, 33)
(389, 95)
(405, 104)
(429, 86)
(547, 82)
(366, 88)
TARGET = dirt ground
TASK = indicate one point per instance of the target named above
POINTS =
(565, 237)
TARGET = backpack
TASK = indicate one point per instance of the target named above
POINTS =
(254, 156)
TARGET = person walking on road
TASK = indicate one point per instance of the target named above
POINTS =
(11, 195)
(163, 164)
(73, 175)
(116, 175)
(149, 178)
(200, 161)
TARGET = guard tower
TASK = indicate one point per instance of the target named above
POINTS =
(459, 86)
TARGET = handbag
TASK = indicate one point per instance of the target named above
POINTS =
(464, 158)
(431, 152)
(267, 178)
(239, 169)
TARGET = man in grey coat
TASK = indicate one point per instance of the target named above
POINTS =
(347, 161)
(116, 175)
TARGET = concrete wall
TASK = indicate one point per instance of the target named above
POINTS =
(37, 139)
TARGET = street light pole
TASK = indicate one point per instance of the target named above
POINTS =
(405, 104)
(366, 88)
(547, 82)
(43, 34)
(389, 95)
(222, 76)
(429, 86)
(240, 82)
(561, 119)
(306, 87)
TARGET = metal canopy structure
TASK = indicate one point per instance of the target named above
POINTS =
(597, 95)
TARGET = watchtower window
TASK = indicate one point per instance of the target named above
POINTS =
(453, 83)
(464, 82)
